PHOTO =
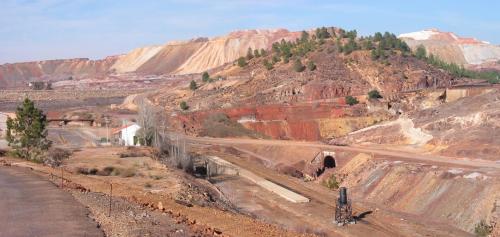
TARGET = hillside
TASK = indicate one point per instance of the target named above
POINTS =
(183, 57)
(470, 52)
(270, 95)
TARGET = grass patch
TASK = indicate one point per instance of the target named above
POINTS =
(331, 182)
(482, 229)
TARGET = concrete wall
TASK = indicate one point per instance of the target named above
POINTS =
(457, 93)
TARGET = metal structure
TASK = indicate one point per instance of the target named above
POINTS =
(343, 209)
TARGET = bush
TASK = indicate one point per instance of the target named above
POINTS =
(421, 53)
(249, 54)
(374, 94)
(133, 152)
(242, 62)
(107, 171)
(205, 77)
(482, 229)
(184, 105)
(311, 66)
(297, 66)
(193, 86)
(130, 172)
(351, 100)
(56, 156)
(267, 64)
(331, 182)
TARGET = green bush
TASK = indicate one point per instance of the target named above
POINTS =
(256, 53)
(193, 86)
(242, 62)
(205, 77)
(482, 229)
(184, 105)
(374, 94)
(351, 100)
(421, 53)
(267, 64)
(249, 54)
(331, 182)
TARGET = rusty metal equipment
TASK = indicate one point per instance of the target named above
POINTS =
(343, 209)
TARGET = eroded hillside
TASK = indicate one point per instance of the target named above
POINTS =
(173, 58)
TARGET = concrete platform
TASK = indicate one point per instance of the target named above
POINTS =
(264, 183)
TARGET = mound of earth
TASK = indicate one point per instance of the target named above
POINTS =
(469, 52)
(466, 127)
(173, 58)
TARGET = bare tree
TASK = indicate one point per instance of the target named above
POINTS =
(147, 119)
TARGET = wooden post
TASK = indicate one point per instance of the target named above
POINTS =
(110, 198)
(62, 177)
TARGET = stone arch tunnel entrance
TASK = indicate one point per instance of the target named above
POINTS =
(329, 162)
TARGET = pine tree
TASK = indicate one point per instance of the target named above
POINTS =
(256, 53)
(27, 133)
(249, 54)
(421, 52)
(205, 77)
(242, 62)
(263, 52)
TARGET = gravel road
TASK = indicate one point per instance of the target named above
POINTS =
(32, 206)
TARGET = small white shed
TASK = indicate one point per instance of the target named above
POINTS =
(127, 135)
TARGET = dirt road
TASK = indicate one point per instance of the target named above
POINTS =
(389, 153)
(30, 206)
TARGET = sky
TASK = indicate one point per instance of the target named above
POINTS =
(54, 29)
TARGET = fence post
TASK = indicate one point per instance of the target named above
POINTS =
(110, 198)
(62, 177)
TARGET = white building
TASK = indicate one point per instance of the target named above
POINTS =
(127, 135)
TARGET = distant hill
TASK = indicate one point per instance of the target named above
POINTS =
(179, 57)
(470, 52)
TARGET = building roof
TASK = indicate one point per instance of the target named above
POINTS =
(117, 130)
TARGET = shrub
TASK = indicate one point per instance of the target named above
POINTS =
(311, 66)
(351, 100)
(249, 54)
(184, 105)
(56, 156)
(421, 53)
(148, 185)
(193, 86)
(374, 94)
(331, 182)
(297, 66)
(107, 171)
(263, 52)
(482, 229)
(276, 59)
(242, 62)
(205, 77)
(256, 53)
(93, 171)
(130, 172)
(267, 64)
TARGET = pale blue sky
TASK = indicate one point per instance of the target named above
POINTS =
(52, 29)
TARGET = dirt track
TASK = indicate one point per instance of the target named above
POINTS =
(31, 206)
(389, 153)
